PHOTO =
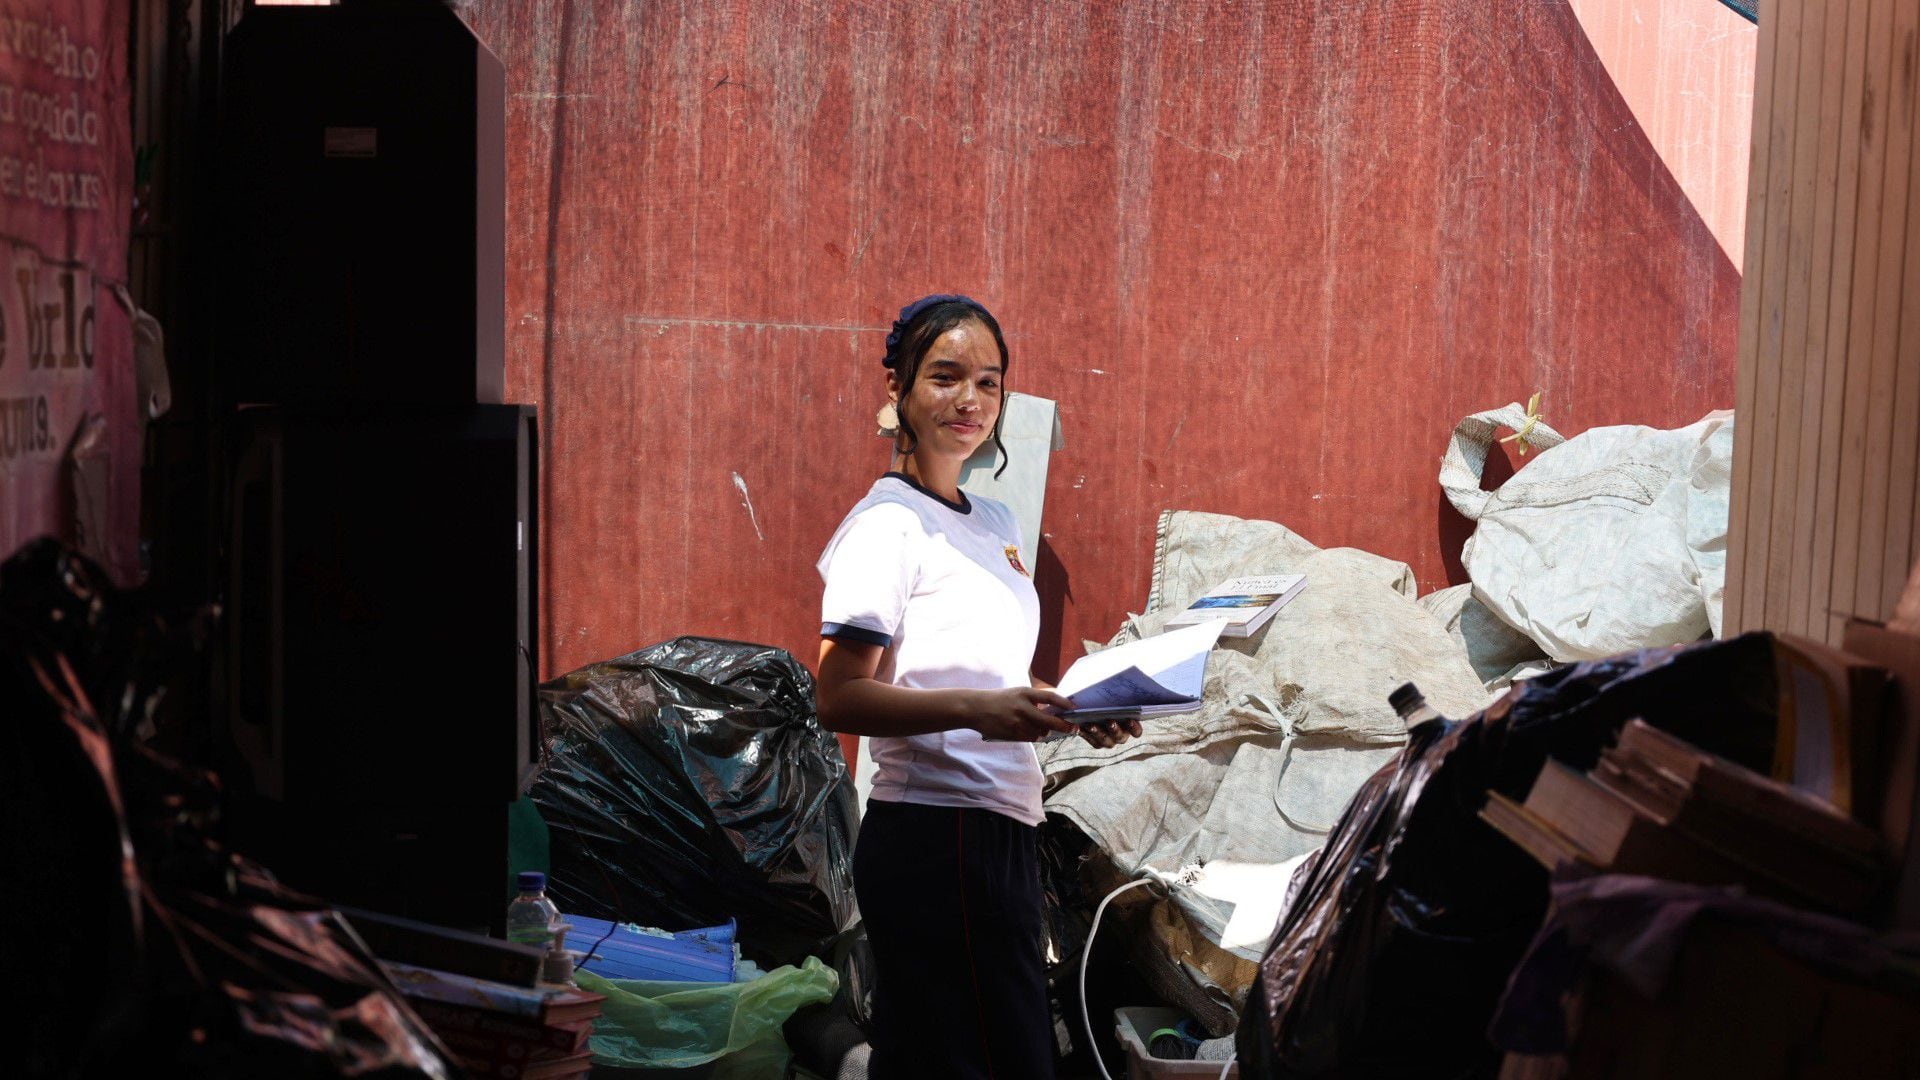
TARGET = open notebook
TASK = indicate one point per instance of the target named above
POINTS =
(1155, 676)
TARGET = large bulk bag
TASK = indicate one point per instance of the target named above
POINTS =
(1610, 541)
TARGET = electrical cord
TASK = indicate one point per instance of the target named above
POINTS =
(1086, 951)
(1186, 877)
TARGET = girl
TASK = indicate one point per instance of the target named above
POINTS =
(929, 619)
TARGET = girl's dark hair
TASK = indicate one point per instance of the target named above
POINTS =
(917, 334)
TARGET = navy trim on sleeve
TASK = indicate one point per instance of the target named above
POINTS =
(860, 634)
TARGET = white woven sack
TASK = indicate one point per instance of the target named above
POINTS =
(1610, 541)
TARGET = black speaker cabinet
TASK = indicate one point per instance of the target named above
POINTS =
(362, 208)
(383, 646)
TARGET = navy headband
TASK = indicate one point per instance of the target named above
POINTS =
(908, 313)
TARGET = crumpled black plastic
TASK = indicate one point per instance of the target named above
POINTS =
(1392, 958)
(689, 783)
(141, 946)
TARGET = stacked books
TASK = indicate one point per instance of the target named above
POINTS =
(1657, 806)
(500, 1030)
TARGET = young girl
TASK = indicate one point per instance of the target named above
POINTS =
(929, 619)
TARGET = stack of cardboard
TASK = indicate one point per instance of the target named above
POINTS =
(496, 1029)
(1657, 806)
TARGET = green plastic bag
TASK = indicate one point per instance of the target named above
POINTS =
(679, 1025)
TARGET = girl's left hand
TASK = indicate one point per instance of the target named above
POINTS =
(1109, 733)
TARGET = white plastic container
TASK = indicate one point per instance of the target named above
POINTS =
(1133, 1027)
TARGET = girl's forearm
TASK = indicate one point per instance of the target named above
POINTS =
(870, 707)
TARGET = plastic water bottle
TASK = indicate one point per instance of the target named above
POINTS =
(1412, 706)
(531, 917)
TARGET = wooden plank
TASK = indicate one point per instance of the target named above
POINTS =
(1866, 265)
(1832, 70)
(1909, 352)
(1795, 399)
(1746, 543)
(1746, 434)
(1846, 188)
(1773, 289)
(1871, 592)
(1904, 463)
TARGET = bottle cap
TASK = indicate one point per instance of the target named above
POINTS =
(1405, 698)
(532, 881)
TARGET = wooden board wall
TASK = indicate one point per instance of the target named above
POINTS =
(1828, 443)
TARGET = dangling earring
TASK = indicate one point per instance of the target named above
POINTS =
(888, 421)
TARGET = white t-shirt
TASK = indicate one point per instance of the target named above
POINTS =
(942, 587)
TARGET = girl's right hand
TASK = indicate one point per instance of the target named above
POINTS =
(1021, 714)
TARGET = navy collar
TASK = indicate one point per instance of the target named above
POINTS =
(962, 507)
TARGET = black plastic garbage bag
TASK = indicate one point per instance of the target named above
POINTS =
(830, 1039)
(689, 783)
(1393, 956)
(141, 946)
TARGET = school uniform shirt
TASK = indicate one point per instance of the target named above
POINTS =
(942, 588)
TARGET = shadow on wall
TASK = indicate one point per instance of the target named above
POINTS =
(1453, 527)
(1055, 586)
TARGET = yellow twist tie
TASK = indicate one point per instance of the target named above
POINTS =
(1533, 417)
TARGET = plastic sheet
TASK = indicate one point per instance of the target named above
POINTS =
(1394, 954)
(689, 783)
(149, 950)
(678, 1025)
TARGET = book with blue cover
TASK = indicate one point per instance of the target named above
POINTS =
(1242, 605)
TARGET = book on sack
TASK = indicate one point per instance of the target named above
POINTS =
(1242, 605)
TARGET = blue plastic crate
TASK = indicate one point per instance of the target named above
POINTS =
(702, 955)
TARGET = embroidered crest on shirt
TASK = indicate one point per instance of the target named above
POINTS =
(1013, 560)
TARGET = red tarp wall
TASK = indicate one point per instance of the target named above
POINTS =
(1264, 255)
